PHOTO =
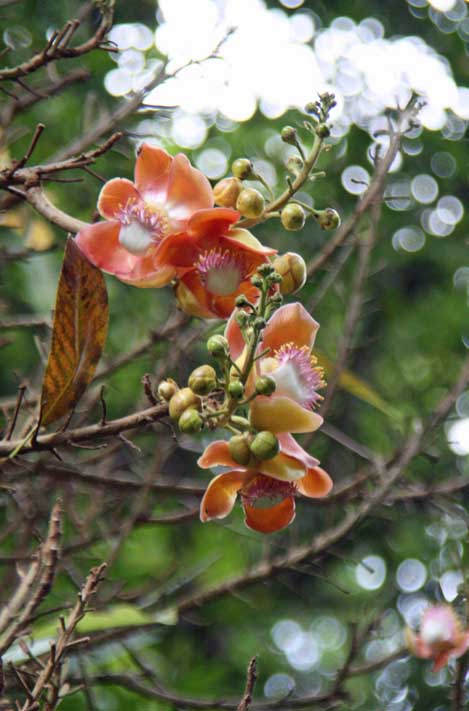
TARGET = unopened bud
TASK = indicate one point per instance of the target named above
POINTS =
(181, 401)
(250, 203)
(323, 130)
(293, 217)
(257, 281)
(293, 269)
(241, 422)
(242, 318)
(265, 270)
(226, 192)
(265, 385)
(203, 380)
(265, 445)
(190, 421)
(242, 300)
(289, 135)
(217, 346)
(236, 389)
(167, 388)
(238, 447)
(328, 219)
(242, 168)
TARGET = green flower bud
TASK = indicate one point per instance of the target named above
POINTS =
(323, 131)
(242, 318)
(238, 447)
(265, 385)
(236, 389)
(257, 280)
(181, 401)
(242, 300)
(190, 421)
(250, 203)
(242, 168)
(328, 219)
(265, 270)
(167, 388)
(226, 192)
(217, 346)
(289, 135)
(259, 322)
(265, 445)
(293, 269)
(276, 299)
(203, 380)
(241, 422)
(293, 217)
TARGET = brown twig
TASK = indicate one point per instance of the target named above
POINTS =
(251, 677)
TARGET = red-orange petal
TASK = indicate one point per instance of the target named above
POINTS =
(271, 519)
(315, 484)
(191, 297)
(217, 454)
(220, 497)
(100, 243)
(290, 324)
(234, 337)
(114, 196)
(211, 223)
(152, 169)
(188, 189)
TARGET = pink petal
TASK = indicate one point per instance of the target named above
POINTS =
(114, 196)
(270, 519)
(290, 324)
(234, 337)
(100, 243)
(213, 222)
(220, 497)
(290, 446)
(188, 189)
(152, 170)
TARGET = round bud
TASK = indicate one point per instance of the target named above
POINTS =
(217, 346)
(167, 388)
(242, 319)
(182, 400)
(203, 380)
(250, 203)
(323, 131)
(257, 280)
(236, 389)
(292, 267)
(242, 168)
(276, 299)
(289, 135)
(295, 165)
(293, 217)
(240, 422)
(311, 107)
(265, 385)
(190, 421)
(238, 447)
(328, 219)
(265, 445)
(242, 300)
(259, 322)
(226, 192)
(265, 269)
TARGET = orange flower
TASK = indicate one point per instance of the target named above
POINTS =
(279, 479)
(289, 336)
(141, 216)
(440, 636)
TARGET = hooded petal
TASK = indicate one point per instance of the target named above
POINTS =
(217, 454)
(100, 243)
(210, 223)
(290, 324)
(115, 195)
(246, 238)
(290, 446)
(188, 189)
(192, 298)
(283, 468)
(315, 484)
(270, 519)
(281, 414)
(220, 497)
(152, 172)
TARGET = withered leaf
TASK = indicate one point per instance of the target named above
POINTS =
(78, 334)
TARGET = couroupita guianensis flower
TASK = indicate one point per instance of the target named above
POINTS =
(141, 215)
(273, 483)
(440, 637)
(214, 263)
(288, 339)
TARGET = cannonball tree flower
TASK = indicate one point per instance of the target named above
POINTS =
(141, 215)
(287, 341)
(441, 636)
(278, 480)
(214, 263)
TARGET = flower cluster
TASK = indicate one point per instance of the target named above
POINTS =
(169, 226)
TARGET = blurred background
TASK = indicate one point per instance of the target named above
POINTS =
(271, 58)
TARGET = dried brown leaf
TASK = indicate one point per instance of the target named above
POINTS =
(78, 334)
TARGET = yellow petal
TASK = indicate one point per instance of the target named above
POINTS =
(281, 414)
